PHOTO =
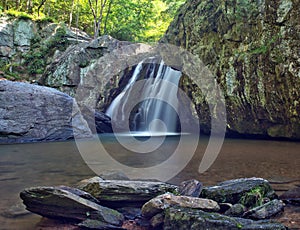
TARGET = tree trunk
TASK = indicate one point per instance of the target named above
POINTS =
(40, 6)
(71, 13)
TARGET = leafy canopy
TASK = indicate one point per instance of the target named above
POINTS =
(132, 20)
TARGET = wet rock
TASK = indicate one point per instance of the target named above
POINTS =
(239, 190)
(236, 210)
(35, 113)
(265, 211)
(120, 193)
(162, 202)
(96, 224)
(292, 196)
(190, 188)
(57, 202)
(114, 175)
(157, 220)
(193, 219)
(16, 211)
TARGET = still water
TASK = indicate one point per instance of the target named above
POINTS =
(26, 165)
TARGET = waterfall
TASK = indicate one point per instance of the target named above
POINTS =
(150, 113)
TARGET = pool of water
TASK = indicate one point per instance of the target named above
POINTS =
(57, 163)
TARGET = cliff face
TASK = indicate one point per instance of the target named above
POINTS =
(253, 49)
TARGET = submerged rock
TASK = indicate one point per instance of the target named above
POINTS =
(247, 191)
(34, 113)
(62, 202)
(186, 218)
(292, 196)
(162, 202)
(120, 193)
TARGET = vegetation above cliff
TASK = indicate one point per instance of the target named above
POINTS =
(131, 20)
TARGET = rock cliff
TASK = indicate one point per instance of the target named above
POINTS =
(253, 49)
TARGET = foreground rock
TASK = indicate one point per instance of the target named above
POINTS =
(193, 219)
(162, 202)
(63, 202)
(121, 193)
(247, 191)
(265, 211)
(35, 113)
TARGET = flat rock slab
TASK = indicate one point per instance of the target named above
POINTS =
(120, 193)
(59, 202)
(162, 202)
(234, 191)
(265, 211)
(185, 218)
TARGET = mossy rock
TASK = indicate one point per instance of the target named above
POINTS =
(248, 191)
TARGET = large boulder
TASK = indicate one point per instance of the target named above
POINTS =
(67, 203)
(247, 191)
(34, 113)
(122, 193)
(252, 48)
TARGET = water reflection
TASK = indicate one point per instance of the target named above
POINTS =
(25, 165)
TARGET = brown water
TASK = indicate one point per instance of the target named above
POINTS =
(26, 165)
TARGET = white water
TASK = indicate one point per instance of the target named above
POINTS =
(152, 115)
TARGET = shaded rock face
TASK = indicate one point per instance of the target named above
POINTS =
(252, 47)
(35, 113)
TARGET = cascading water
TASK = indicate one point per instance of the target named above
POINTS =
(151, 114)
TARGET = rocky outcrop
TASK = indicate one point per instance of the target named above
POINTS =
(252, 48)
(67, 70)
(27, 46)
(35, 113)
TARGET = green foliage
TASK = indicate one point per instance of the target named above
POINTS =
(18, 14)
(133, 20)
(253, 198)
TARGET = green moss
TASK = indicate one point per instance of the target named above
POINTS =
(253, 198)
(36, 58)
(19, 15)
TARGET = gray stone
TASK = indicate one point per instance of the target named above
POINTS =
(265, 211)
(193, 219)
(236, 210)
(59, 202)
(157, 220)
(292, 196)
(34, 113)
(114, 175)
(96, 224)
(238, 190)
(162, 202)
(24, 31)
(190, 188)
(120, 193)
